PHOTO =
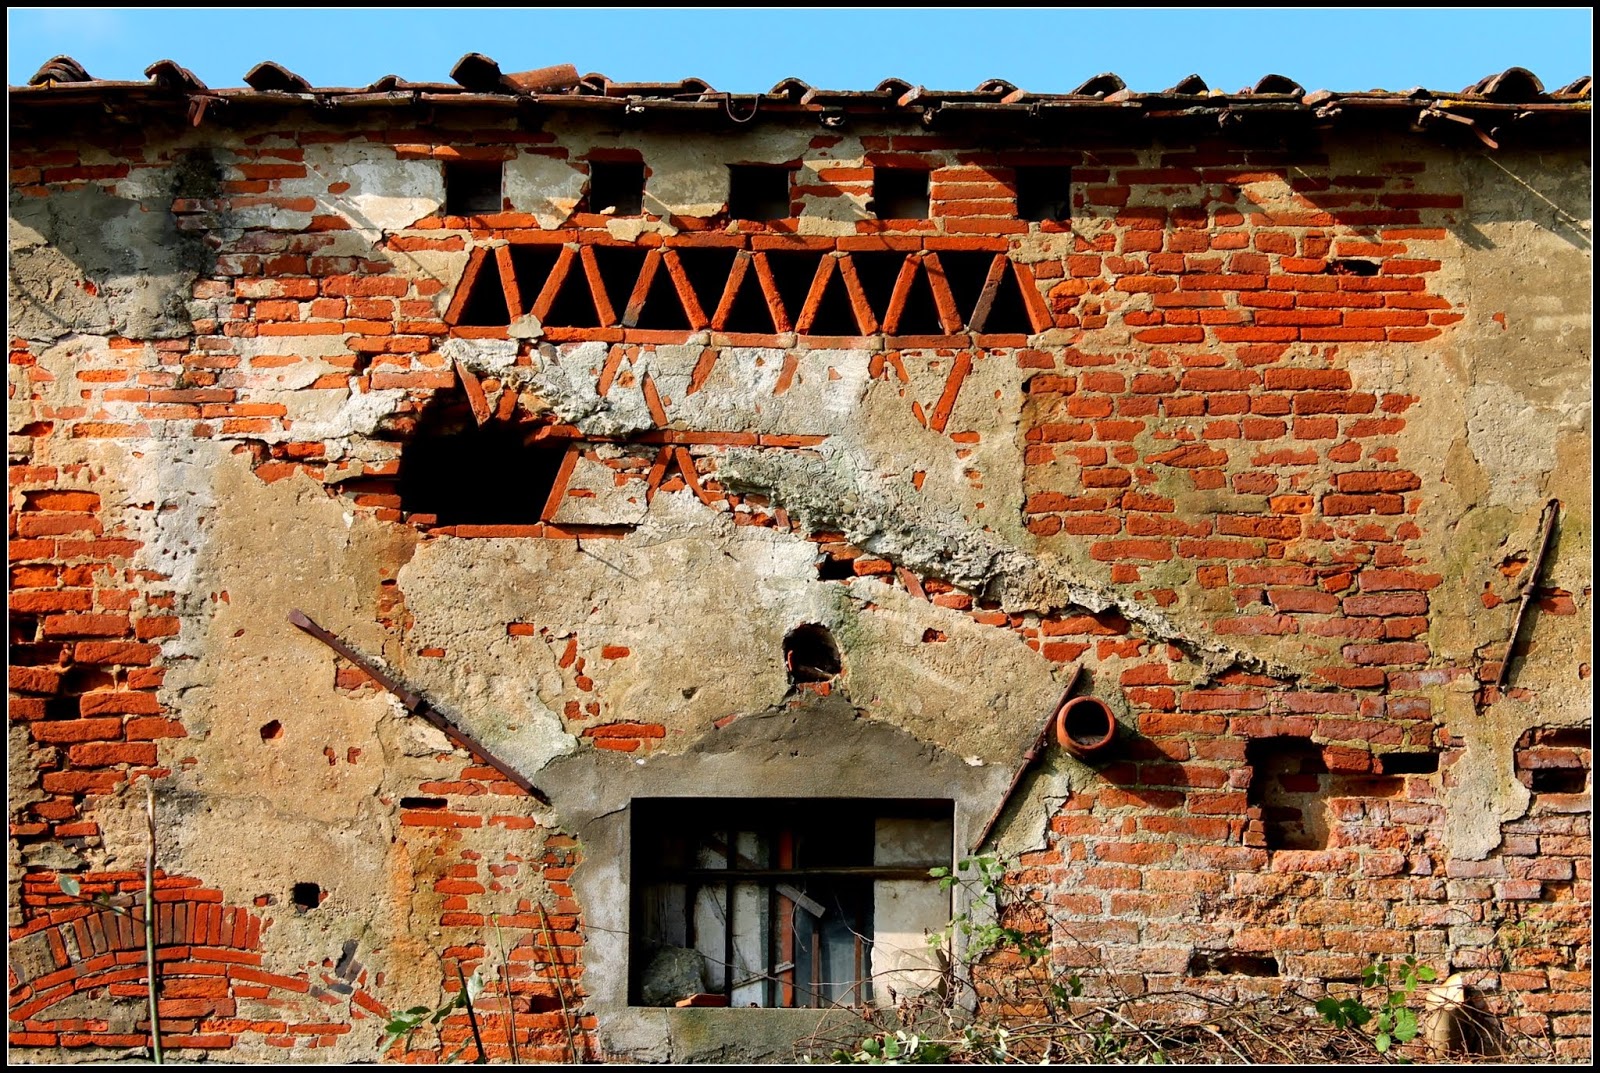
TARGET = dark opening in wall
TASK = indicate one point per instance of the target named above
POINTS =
(471, 187)
(707, 270)
(271, 730)
(1351, 266)
(663, 307)
(532, 265)
(428, 803)
(878, 271)
(793, 273)
(573, 305)
(966, 273)
(810, 654)
(1554, 761)
(834, 568)
(616, 187)
(1409, 763)
(1289, 783)
(466, 474)
(1226, 963)
(1044, 193)
(486, 298)
(835, 315)
(306, 896)
(920, 314)
(749, 311)
(619, 271)
(1003, 310)
(759, 191)
(900, 193)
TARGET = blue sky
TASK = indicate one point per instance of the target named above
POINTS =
(1048, 50)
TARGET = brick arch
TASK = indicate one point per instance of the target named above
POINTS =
(210, 959)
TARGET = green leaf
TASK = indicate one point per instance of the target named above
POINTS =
(1427, 975)
(938, 872)
(1405, 1025)
(1381, 1042)
(70, 885)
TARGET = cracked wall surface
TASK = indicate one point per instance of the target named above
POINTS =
(1269, 465)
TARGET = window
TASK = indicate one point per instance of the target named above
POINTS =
(616, 188)
(758, 191)
(785, 902)
(471, 187)
(1044, 193)
(900, 193)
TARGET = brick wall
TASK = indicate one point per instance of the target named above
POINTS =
(1192, 437)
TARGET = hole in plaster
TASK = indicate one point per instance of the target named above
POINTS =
(1289, 783)
(306, 896)
(833, 568)
(423, 802)
(1351, 266)
(271, 731)
(464, 474)
(1409, 763)
(1224, 963)
(616, 187)
(759, 191)
(783, 902)
(471, 187)
(1044, 193)
(810, 654)
(900, 193)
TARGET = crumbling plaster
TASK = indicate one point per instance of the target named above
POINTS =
(702, 604)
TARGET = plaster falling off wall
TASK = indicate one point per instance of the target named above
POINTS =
(1260, 443)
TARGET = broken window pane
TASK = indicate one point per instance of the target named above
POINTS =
(786, 902)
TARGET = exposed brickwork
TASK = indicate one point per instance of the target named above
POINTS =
(1190, 425)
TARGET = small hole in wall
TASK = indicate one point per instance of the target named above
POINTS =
(306, 896)
(271, 731)
(1289, 783)
(758, 191)
(900, 193)
(1044, 193)
(466, 474)
(1351, 266)
(1222, 963)
(1557, 780)
(616, 188)
(810, 654)
(423, 802)
(471, 187)
(1409, 763)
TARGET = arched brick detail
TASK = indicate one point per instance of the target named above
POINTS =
(209, 957)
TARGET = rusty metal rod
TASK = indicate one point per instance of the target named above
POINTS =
(1040, 741)
(415, 704)
(1548, 523)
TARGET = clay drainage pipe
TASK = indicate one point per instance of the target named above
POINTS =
(1085, 726)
